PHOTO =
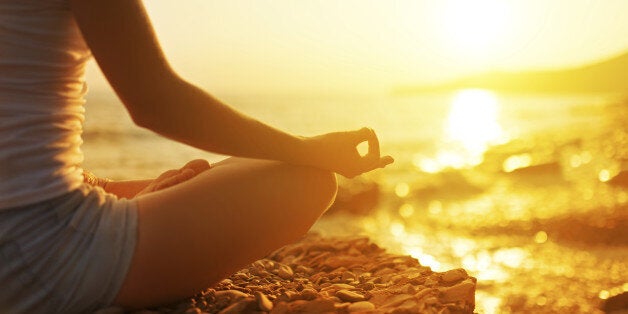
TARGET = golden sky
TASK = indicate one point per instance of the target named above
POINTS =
(293, 46)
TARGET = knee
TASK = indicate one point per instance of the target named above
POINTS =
(318, 186)
(325, 187)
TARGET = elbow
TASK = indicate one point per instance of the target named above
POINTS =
(142, 119)
(139, 113)
(151, 104)
(151, 118)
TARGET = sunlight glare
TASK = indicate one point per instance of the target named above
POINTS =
(471, 127)
(426, 165)
(515, 162)
(511, 257)
(604, 175)
(461, 247)
(435, 207)
(540, 237)
(425, 259)
(402, 189)
(406, 210)
(475, 28)
(488, 303)
(473, 119)
(397, 229)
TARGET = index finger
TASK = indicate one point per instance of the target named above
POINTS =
(361, 135)
(373, 153)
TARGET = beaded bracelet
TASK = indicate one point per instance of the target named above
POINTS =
(91, 179)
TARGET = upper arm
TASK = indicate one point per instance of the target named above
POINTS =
(122, 40)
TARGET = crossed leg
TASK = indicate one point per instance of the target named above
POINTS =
(196, 233)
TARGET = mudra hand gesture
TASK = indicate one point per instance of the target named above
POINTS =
(338, 152)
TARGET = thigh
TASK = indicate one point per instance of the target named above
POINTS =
(196, 233)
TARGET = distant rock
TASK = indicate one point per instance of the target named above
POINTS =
(616, 304)
(621, 179)
(608, 76)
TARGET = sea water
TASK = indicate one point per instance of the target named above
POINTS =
(516, 189)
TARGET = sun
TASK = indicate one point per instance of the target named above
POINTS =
(473, 29)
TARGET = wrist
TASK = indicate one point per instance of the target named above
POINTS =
(92, 179)
(303, 152)
(102, 182)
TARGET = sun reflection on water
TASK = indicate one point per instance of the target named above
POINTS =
(473, 120)
(426, 259)
(513, 221)
(471, 126)
(486, 303)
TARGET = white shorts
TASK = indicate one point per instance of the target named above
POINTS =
(69, 254)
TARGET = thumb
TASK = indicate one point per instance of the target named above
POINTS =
(385, 161)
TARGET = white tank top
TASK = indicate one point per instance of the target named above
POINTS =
(42, 62)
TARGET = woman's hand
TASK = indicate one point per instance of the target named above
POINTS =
(176, 176)
(338, 152)
(132, 188)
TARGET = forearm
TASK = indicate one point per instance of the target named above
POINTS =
(189, 115)
(123, 42)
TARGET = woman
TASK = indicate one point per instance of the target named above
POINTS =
(70, 242)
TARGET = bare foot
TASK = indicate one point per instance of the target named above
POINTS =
(176, 176)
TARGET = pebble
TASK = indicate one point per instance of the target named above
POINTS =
(285, 272)
(348, 276)
(262, 302)
(462, 291)
(385, 271)
(361, 306)
(397, 299)
(242, 306)
(304, 270)
(454, 275)
(354, 251)
(239, 276)
(419, 295)
(366, 286)
(410, 305)
(287, 296)
(349, 296)
(226, 281)
(342, 286)
(408, 288)
(430, 282)
(230, 294)
(308, 294)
